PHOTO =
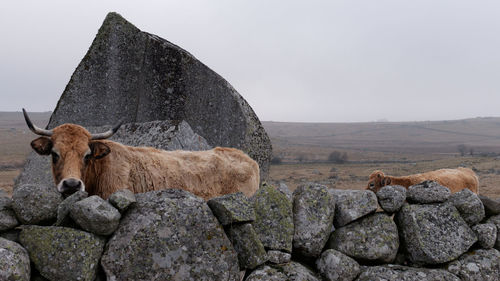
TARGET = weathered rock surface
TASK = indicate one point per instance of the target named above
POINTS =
(35, 204)
(372, 238)
(283, 188)
(434, 233)
(404, 273)
(12, 235)
(478, 265)
(391, 197)
(266, 273)
(278, 257)
(14, 262)
(313, 211)
(139, 77)
(468, 205)
(295, 271)
(61, 253)
(491, 206)
(251, 252)
(8, 220)
(95, 215)
(5, 201)
(335, 266)
(170, 235)
(232, 208)
(63, 217)
(352, 204)
(427, 192)
(273, 218)
(486, 234)
(496, 221)
(122, 199)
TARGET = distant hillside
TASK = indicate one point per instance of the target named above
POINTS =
(482, 135)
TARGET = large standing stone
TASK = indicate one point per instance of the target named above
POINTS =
(135, 76)
(486, 234)
(468, 205)
(352, 204)
(36, 204)
(404, 273)
(335, 266)
(14, 261)
(95, 215)
(491, 206)
(478, 265)
(434, 233)
(122, 199)
(170, 235)
(61, 253)
(496, 221)
(427, 192)
(232, 208)
(266, 273)
(391, 197)
(372, 238)
(251, 252)
(273, 218)
(313, 211)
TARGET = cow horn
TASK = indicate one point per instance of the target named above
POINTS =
(107, 134)
(34, 128)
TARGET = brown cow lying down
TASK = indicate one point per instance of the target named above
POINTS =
(454, 179)
(82, 161)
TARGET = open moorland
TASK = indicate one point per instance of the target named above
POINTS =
(310, 151)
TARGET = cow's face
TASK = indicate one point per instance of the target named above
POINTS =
(377, 180)
(73, 149)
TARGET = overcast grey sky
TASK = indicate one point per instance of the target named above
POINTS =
(327, 61)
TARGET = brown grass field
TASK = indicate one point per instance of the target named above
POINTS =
(396, 148)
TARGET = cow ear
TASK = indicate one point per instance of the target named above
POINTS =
(99, 149)
(42, 145)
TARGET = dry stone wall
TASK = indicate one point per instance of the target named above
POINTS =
(174, 235)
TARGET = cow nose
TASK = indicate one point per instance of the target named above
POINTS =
(71, 185)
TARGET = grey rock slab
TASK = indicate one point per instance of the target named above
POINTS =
(61, 253)
(491, 206)
(122, 199)
(496, 221)
(266, 273)
(313, 211)
(468, 205)
(351, 205)
(434, 233)
(372, 238)
(135, 76)
(295, 271)
(170, 235)
(283, 188)
(486, 234)
(477, 265)
(8, 220)
(232, 208)
(5, 202)
(278, 257)
(65, 206)
(427, 192)
(36, 204)
(391, 197)
(14, 261)
(404, 273)
(251, 252)
(335, 266)
(95, 215)
(273, 218)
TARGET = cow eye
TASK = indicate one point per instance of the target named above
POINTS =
(372, 184)
(55, 157)
(87, 158)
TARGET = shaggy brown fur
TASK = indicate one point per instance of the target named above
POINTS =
(454, 179)
(105, 166)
